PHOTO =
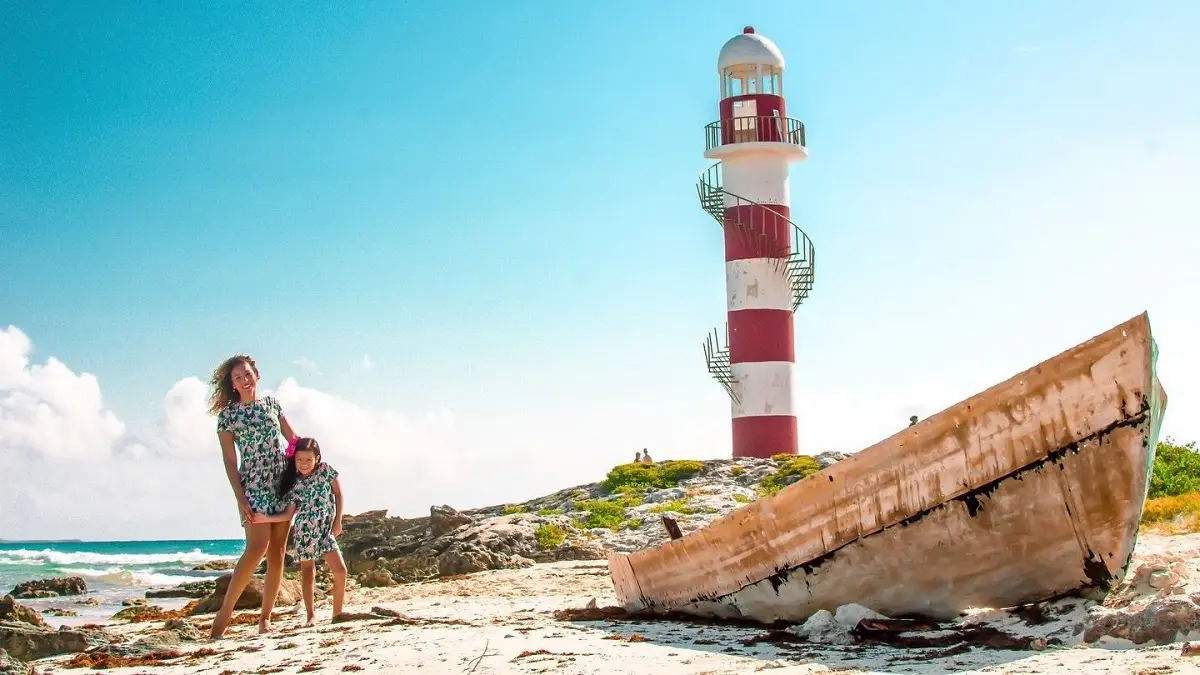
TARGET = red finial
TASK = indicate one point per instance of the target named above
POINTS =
(748, 30)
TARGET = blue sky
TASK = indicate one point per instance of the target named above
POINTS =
(494, 203)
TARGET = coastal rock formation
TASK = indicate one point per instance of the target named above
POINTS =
(11, 666)
(12, 612)
(27, 642)
(1158, 602)
(191, 589)
(289, 594)
(49, 588)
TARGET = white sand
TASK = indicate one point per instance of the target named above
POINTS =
(510, 613)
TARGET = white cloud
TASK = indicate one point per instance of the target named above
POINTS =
(80, 473)
(364, 363)
(47, 410)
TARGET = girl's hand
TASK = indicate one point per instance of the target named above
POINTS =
(337, 527)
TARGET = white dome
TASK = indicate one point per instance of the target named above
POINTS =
(749, 48)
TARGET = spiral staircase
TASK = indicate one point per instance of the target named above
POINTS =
(796, 263)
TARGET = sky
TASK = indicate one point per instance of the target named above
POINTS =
(463, 243)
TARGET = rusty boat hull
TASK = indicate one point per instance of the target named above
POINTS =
(1029, 490)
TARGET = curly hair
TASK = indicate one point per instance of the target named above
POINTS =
(223, 395)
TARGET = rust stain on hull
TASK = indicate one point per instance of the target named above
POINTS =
(1028, 490)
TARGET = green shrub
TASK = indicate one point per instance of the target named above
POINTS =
(737, 471)
(602, 513)
(782, 457)
(1176, 470)
(636, 477)
(794, 465)
(741, 498)
(549, 512)
(634, 523)
(549, 535)
(510, 509)
(676, 505)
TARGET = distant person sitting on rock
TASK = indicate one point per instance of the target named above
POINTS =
(646, 457)
(637, 459)
(310, 488)
(912, 420)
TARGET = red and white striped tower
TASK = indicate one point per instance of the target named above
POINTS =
(768, 260)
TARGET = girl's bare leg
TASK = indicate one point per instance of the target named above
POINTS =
(257, 537)
(276, 547)
(337, 569)
(308, 580)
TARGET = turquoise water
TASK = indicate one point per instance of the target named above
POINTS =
(114, 570)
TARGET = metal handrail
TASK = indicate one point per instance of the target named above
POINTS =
(797, 261)
(754, 129)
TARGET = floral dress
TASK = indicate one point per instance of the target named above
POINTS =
(312, 525)
(255, 428)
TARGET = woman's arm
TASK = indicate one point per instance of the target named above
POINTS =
(229, 457)
(337, 514)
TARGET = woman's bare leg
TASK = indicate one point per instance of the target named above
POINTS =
(308, 581)
(276, 548)
(337, 569)
(257, 538)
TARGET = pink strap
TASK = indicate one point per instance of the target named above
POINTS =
(291, 447)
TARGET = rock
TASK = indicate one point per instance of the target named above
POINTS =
(376, 579)
(289, 594)
(191, 589)
(59, 611)
(849, 615)
(570, 551)
(215, 566)
(133, 602)
(50, 588)
(183, 628)
(413, 568)
(15, 613)
(11, 666)
(823, 627)
(27, 642)
(1162, 621)
(140, 613)
(444, 520)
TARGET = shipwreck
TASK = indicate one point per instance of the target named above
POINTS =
(1030, 490)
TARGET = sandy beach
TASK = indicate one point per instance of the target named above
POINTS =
(505, 621)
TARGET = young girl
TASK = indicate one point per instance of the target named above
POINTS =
(310, 488)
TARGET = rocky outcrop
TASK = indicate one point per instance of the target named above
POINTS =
(1156, 603)
(215, 566)
(251, 598)
(11, 666)
(191, 589)
(49, 588)
(12, 612)
(27, 642)
(382, 550)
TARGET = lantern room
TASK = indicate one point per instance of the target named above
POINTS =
(752, 106)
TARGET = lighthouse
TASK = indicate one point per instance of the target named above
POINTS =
(769, 261)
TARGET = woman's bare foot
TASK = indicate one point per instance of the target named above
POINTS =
(265, 627)
(312, 621)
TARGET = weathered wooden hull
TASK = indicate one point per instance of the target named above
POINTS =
(1028, 490)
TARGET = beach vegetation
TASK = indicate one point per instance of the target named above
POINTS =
(789, 469)
(510, 509)
(741, 498)
(549, 535)
(607, 513)
(675, 505)
(737, 471)
(549, 512)
(639, 477)
(1176, 470)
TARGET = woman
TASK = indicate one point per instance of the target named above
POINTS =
(254, 425)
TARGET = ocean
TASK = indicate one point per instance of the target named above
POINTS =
(114, 571)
